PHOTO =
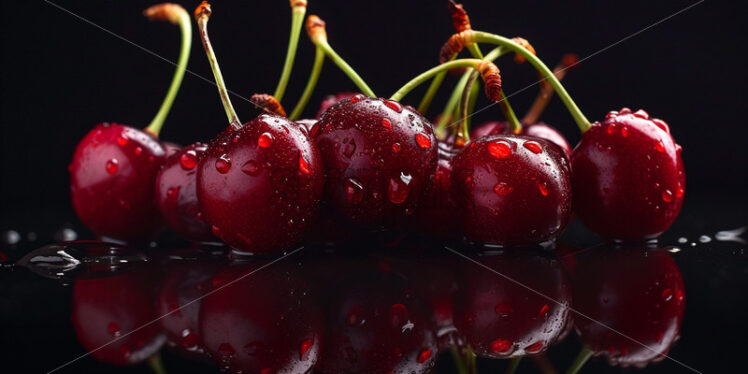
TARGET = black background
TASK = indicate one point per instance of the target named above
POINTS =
(61, 76)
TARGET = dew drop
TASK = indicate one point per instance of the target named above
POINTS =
(423, 141)
(357, 98)
(395, 147)
(305, 345)
(641, 113)
(354, 191)
(544, 311)
(304, 166)
(534, 147)
(500, 346)
(188, 160)
(535, 347)
(112, 166)
(399, 188)
(661, 124)
(667, 294)
(667, 196)
(122, 141)
(543, 188)
(265, 140)
(189, 339)
(611, 114)
(660, 147)
(503, 189)
(216, 230)
(251, 168)
(625, 131)
(424, 355)
(172, 193)
(394, 105)
(138, 151)
(611, 129)
(386, 123)
(113, 329)
(499, 149)
(223, 164)
(679, 192)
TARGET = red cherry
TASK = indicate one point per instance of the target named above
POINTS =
(246, 327)
(254, 191)
(106, 308)
(111, 182)
(538, 130)
(628, 177)
(176, 196)
(376, 175)
(517, 199)
(500, 318)
(436, 218)
(632, 290)
(331, 100)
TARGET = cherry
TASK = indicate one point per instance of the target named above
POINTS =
(261, 318)
(379, 156)
(635, 291)
(628, 176)
(112, 317)
(501, 318)
(176, 196)
(375, 326)
(512, 190)
(258, 183)
(437, 216)
(113, 166)
(331, 100)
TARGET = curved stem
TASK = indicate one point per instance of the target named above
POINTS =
(185, 26)
(297, 18)
(581, 359)
(157, 364)
(513, 365)
(504, 105)
(449, 108)
(415, 82)
(319, 59)
(458, 360)
(546, 91)
(463, 132)
(576, 113)
(425, 103)
(202, 15)
(347, 69)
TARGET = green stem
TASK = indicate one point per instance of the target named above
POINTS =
(581, 359)
(449, 108)
(458, 360)
(576, 113)
(319, 59)
(157, 364)
(425, 103)
(347, 69)
(504, 105)
(513, 365)
(185, 26)
(415, 82)
(472, 367)
(297, 18)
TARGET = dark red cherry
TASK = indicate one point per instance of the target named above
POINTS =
(105, 309)
(379, 157)
(176, 196)
(538, 130)
(111, 182)
(261, 320)
(331, 100)
(259, 185)
(436, 217)
(500, 318)
(634, 291)
(374, 325)
(512, 190)
(628, 176)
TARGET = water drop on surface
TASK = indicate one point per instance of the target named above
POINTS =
(544, 311)
(399, 188)
(223, 164)
(138, 151)
(423, 141)
(188, 160)
(304, 166)
(113, 329)
(667, 196)
(394, 105)
(500, 346)
(251, 168)
(667, 294)
(543, 188)
(189, 339)
(534, 147)
(534, 347)
(305, 345)
(424, 355)
(387, 124)
(704, 239)
(660, 147)
(395, 147)
(503, 189)
(641, 113)
(122, 141)
(354, 191)
(499, 149)
(625, 131)
(265, 140)
(112, 166)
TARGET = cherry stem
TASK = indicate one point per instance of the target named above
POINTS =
(157, 364)
(319, 59)
(580, 360)
(428, 74)
(449, 108)
(298, 10)
(546, 90)
(458, 360)
(582, 122)
(202, 14)
(177, 15)
(315, 28)
(511, 118)
(463, 131)
(513, 365)
(428, 97)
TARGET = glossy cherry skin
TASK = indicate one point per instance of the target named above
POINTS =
(331, 100)
(260, 185)
(261, 320)
(104, 309)
(176, 194)
(512, 190)
(500, 318)
(628, 177)
(379, 156)
(111, 182)
(374, 325)
(538, 130)
(635, 291)
(436, 218)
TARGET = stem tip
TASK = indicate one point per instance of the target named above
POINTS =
(202, 10)
(168, 12)
(268, 103)
(315, 28)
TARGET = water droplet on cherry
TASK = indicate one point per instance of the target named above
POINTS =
(354, 191)
(667, 196)
(395, 147)
(543, 188)
(423, 141)
(304, 166)
(499, 149)
(265, 140)
(534, 147)
(399, 188)
(394, 105)
(188, 160)
(305, 345)
(112, 166)
(251, 168)
(424, 355)
(503, 189)
(500, 346)
(223, 164)
(387, 124)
